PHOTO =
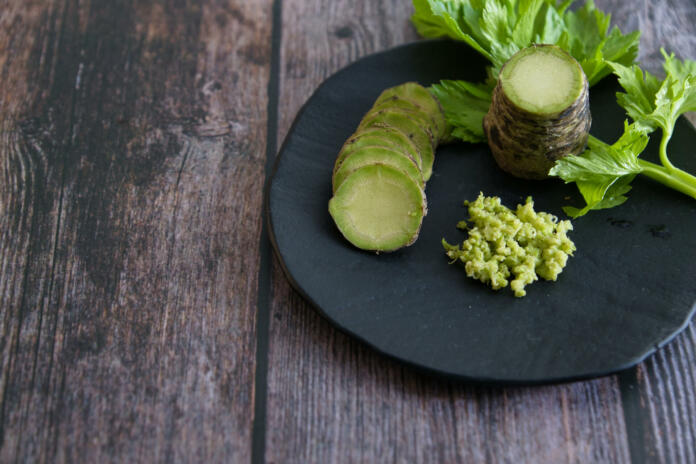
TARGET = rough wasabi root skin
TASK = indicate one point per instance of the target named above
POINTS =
(539, 112)
(379, 175)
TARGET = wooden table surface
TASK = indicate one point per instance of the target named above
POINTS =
(143, 316)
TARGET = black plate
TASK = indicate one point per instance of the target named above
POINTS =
(629, 289)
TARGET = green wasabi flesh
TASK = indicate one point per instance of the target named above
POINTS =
(416, 114)
(414, 110)
(511, 247)
(421, 136)
(419, 96)
(378, 208)
(543, 80)
(382, 136)
(372, 155)
(380, 172)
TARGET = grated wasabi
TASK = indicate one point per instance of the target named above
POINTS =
(521, 245)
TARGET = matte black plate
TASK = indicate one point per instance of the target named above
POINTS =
(629, 289)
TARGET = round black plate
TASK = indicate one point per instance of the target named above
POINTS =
(629, 289)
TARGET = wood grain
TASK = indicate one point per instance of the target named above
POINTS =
(666, 383)
(333, 400)
(132, 142)
(330, 399)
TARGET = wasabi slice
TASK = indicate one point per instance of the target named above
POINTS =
(413, 110)
(409, 109)
(379, 136)
(421, 137)
(419, 96)
(380, 172)
(378, 208)
(377, 155)
(539, 112)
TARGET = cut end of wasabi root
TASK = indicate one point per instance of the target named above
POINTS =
(379, 208)
(542, 79)
(539, 111)
(513, 248)
(380, 173)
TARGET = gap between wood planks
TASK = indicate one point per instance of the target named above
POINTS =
(258, 433)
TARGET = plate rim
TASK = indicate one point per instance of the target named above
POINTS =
(439, 373)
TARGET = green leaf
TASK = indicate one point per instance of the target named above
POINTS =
(652, 103)
(591, 43)
(620, 48)
(440, 18)
(601, 195)
(603, 173)
(498, 29)
(524, 30)
(549, 25)
(680, 70)
(465, 104)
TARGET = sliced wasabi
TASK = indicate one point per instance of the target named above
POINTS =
(421, 137)
(418, 96)
(409, 109)
(412, 110)
(378, 208)
(380, 172)
(380, 136)
(377, 155)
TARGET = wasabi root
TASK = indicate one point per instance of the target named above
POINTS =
(513, 248)
(539, 113)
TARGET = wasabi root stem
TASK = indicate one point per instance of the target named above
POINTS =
(674, 178)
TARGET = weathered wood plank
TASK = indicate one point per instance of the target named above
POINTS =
(667, 385)
(333, 400)
(666, 382)
(132, 142)
(330, 399)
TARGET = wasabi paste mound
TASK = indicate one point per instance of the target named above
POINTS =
(511, 247)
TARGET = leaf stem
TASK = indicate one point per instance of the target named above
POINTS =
(664, 159)
(666, 135)
(680, 181)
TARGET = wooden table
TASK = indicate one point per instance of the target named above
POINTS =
(143, 316)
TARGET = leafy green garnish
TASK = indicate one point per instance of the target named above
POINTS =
(589, 40)
(465, 104)
(657, 104)
(498, 29)
(603, 173)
